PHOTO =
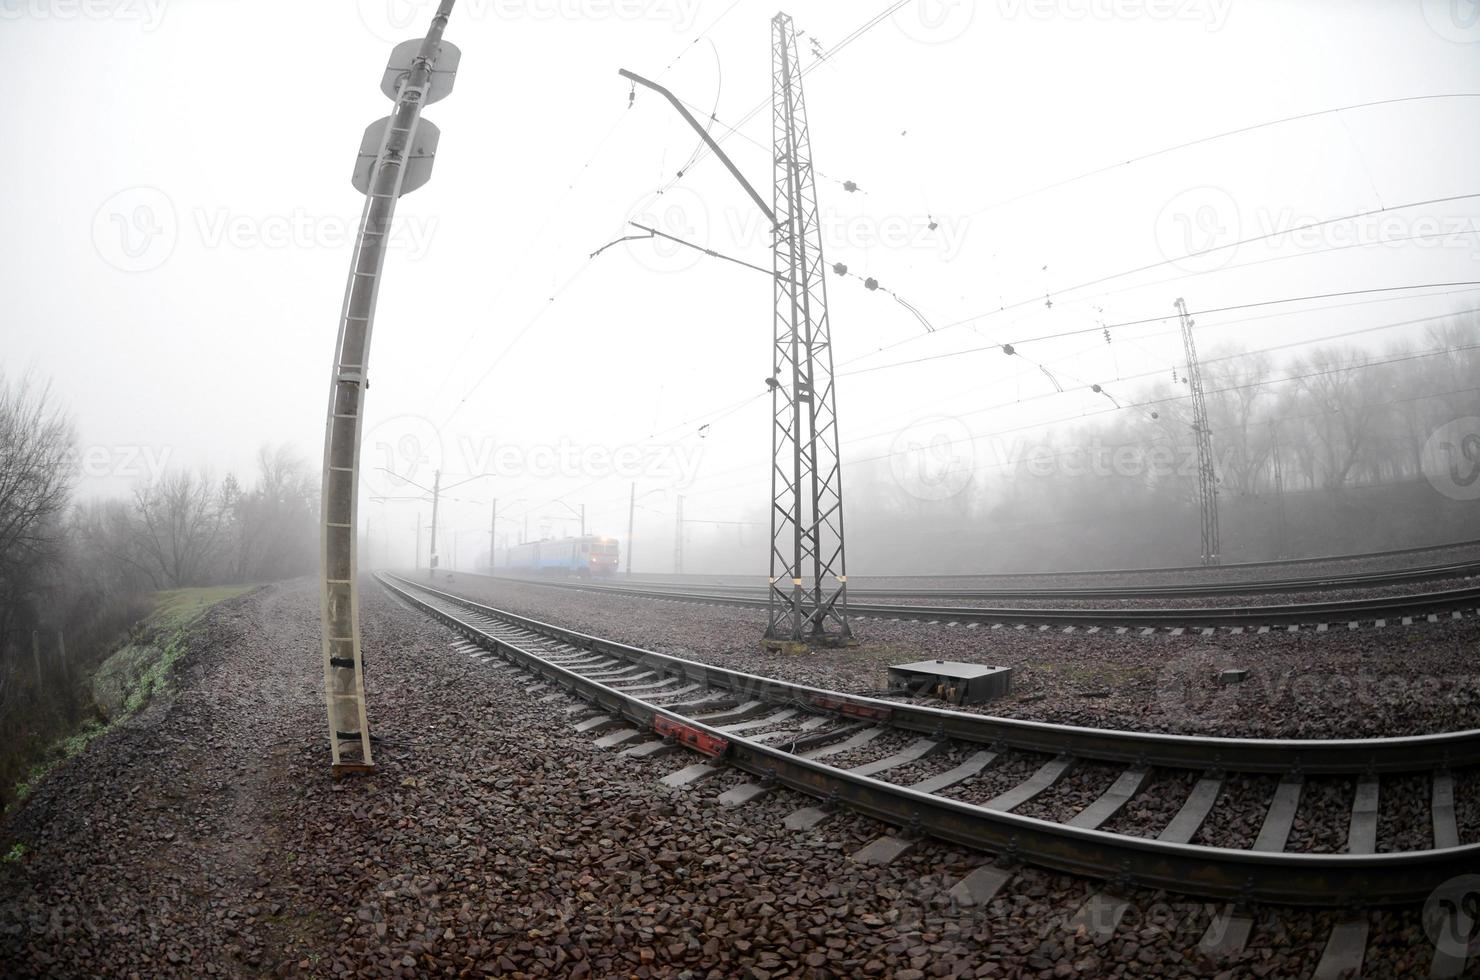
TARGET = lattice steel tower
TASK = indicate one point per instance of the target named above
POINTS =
(1207, 477)
(809, 576)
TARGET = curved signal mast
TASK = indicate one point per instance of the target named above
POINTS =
(396, 156)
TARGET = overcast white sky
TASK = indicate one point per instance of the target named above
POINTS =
(179, 219)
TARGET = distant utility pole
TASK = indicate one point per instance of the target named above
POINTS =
(1207, 476)
(395, 158)
(492, 530)
(678, 536)
(631, 511)
(418, 540)
(1279, 484)
(436, 496)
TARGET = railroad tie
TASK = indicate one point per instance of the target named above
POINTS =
(656, 692)
(1347, 945)
(918, 749)
(807, 817)
(601, 723)
(1446, 832)
(1101, 914)
(1108, 803)
(766, 722)
(650, 750)
(743, 794)
(1228, 933)
(1047, 774)
(747, 792)
(747, 710)
(619, 737)
(883, 850)
(810, 725)
(862, 737)
(973, 765)
(689, 775)
(1447, 962)
(981, 885)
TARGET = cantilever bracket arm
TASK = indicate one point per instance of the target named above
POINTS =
(704, 134)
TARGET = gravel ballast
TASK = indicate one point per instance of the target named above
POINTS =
(1370, 682)
(207, 838)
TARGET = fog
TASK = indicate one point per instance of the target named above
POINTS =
(180, 221)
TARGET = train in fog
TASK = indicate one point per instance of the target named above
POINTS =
(583, 556)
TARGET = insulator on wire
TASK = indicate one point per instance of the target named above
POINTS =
(840, 269)
(849, 186)
(1008, 349)
(1096, 389)
(871, 283)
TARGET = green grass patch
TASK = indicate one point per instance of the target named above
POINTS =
(179, 608)
(134, 674)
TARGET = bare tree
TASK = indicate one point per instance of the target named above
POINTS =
(1236, 383)
(1339, 392)
(37, 466)
(177, 523)
(274, 524)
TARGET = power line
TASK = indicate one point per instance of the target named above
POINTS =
(1234, 356)
(1085, 386)
(1128, 323)
(1217, 136)
(1143, 404)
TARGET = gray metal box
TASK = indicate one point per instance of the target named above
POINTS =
(951, 680)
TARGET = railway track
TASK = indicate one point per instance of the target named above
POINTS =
(781, 734)
(1378, 579)
(1350, 613)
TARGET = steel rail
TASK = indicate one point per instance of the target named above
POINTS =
(1321, 880)
(1180, 569)
(1291, 614)
(1309, 756)
(1466, 569)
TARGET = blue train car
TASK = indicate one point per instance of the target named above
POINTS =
(583, 556)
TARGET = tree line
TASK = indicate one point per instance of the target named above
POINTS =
(1337, 448)
(74, 573)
